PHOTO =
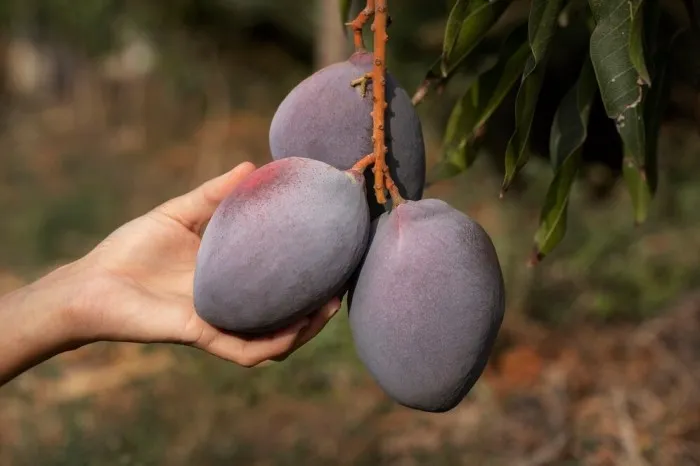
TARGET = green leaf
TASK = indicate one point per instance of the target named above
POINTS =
(616, 56)
(618, 79)
(456, 161)
(630, 125)
(467, 24)
(502, 80)
(570, 125)
(636, 48)
(472, 111)
(638, 187)
(459, 150)
(541, 28)
(569, 132)
(483, 58)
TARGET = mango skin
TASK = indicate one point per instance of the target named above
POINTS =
(427, 305)
(326, 119)
(280, 246)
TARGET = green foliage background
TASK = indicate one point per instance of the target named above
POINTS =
(628, 64)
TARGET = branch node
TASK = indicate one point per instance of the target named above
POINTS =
(363, 163)
(382, 178)
(396, 197)
(359, 23)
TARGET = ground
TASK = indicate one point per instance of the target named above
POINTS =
(597, 396)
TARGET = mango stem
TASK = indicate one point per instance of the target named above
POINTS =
(358, 23)
(379, 98)
(396, 197)
(363, 163)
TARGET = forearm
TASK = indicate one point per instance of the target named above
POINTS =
(36, 323)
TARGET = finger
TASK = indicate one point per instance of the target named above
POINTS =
(249, 353)
(317, 323)
(195, 208)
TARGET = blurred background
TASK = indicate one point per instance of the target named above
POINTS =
(109, 107)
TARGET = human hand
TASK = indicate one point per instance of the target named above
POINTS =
(140, 283)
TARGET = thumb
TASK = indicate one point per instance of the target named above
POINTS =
(195, 208)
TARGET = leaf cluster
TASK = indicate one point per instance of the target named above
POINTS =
(626, 67)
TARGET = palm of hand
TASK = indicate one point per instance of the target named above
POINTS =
(151, 263)
(144, 273)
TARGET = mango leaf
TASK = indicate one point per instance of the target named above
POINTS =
(610, 52)
(467, 24)
(636, 48)
(472, 111)
(570, 124)
(638, 187)
(541, 27)
(455, 162)
(501, 81)
(569, 132)
(459, 147)
(617, 57)
(631, 127)
(481, 59)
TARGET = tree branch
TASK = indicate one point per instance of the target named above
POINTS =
(359, 23)
(379, 98)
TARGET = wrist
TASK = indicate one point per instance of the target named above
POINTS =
(65, 298)
(40, 320)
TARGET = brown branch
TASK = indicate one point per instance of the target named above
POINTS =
(363, 163)
(396, 198)
(437, 84)
(420, 94)
(424, 88)
(379, 98)
(358, 23)
(382, 178)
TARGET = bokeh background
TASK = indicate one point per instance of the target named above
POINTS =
(109, 107)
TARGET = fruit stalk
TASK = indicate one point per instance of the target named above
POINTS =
(358, 23)
(396, 198)
(363, 163)
(379, 98)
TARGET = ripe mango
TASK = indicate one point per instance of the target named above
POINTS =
(327, 119)
(427, 304)
(281, 245)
